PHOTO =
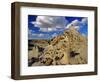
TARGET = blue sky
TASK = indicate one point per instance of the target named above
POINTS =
(47, 27)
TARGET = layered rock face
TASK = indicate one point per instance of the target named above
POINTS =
(77, 47)
(70, 48)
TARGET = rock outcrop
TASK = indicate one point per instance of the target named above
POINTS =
(68, 48)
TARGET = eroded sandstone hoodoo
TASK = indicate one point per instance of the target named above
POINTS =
(68, 48)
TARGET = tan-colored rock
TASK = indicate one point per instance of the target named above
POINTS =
(78, 44)
(68, 48)
(70, 41)
(65, 59)
(55, 55)
(33, 53)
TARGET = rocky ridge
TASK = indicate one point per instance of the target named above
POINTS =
(68, 48)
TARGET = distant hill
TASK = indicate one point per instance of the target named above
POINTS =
(39, 43)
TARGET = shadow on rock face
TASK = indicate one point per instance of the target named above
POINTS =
(73, 54)
(32, 60)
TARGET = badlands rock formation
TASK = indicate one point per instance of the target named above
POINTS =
(68, 48)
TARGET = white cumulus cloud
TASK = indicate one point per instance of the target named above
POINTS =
(74, 23)
(50, 23)
(84, 21)
(33, 35)
(77, 24)
(39, 35)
